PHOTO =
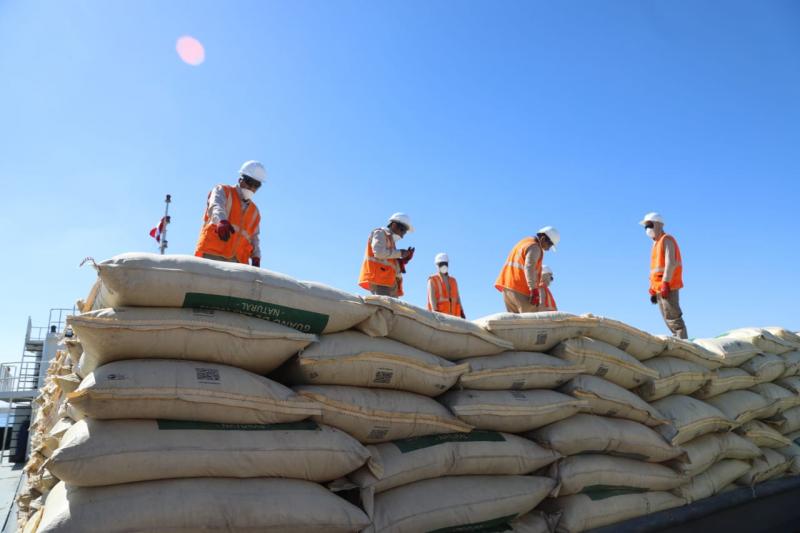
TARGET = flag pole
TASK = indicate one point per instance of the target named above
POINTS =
(163, 246)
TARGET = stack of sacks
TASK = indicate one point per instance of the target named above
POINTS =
(428, 469)
(175, 428)
(609, 470)
(48, 424)
(740, 395)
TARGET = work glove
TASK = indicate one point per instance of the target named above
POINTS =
(255, 261)
(225, 230)
(535, 297)
(664, 289)
(653, 299)
(409, 254)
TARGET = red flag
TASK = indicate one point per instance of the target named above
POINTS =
(158, 230)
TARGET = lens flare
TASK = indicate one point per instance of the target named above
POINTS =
(190, 50)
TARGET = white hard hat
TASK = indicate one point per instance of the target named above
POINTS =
(552, 234)
(547, 270)
(441, 258)
(402, 218)
(651, 217)
(255, 170)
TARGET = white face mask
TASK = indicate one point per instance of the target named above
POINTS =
(651, 232)
(443, 269)
(247, 194)
(397, 237)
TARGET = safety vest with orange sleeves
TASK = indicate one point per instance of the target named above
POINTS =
(445, 297)
(239, 246)
(658, 264)
(512, 276)
(376, 271)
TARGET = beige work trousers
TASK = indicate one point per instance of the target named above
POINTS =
(673, 316)
(220, 258)
(384, 290)
(518, 303)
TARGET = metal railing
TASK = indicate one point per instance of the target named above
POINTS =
(19, 381)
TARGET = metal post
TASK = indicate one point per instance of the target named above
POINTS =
(163, 247)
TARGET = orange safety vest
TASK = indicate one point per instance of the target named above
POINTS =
(447, 299)
(384, 272)
(512, 276)
(239, 246)
(658, 259)
(548, 303)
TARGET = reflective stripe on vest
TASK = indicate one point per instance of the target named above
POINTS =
(512, 276)
(658, 264)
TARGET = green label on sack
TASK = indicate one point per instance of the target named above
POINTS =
(637, 456)
(217, 426)
(601, 492)
(418, 443)
(305, 321)
(489, 526)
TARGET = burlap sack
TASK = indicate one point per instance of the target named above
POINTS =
(376, 415)
(200, 504)
(151, 280)
(581, 512)
(193, 334)
(675, 376)
(762, 435)
(771, 464)
(690, 418)
(401, 462)
(742, 405)
(605, 398)
(724, 380)
(518, 371)
(352, 358)
(583, 433)
(713, 480)
(110, 452)
(780, 398)
(444, 335)
(536, 332)
(733, 351)
(765, 367)
(763, 339)
(185, 390)
(603, 360)
(511, 411)
(459, 503)
(711, 448)
(591, 473)
(636, 342)
(690, 351)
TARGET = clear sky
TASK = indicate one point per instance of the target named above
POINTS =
(482, 120)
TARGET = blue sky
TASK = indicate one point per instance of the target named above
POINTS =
(482, 120)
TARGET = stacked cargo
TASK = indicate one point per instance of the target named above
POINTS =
(175, 426)
(613, 465)
(429, 470)
(218, 395)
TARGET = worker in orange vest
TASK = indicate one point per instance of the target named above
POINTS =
(548, 302)
(231, 221)
(521, 274)
(666, 274)
(443, 289)
(384, 264)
